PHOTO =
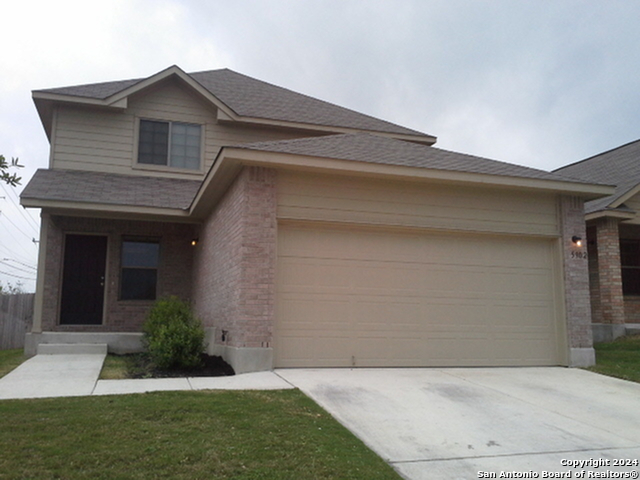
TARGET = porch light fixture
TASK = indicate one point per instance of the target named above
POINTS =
(194, 242)
(577, 241)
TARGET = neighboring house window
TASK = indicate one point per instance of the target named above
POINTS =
(139, 275)
(630, 263)
(171, 144)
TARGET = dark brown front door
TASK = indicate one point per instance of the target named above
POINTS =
(83, 274)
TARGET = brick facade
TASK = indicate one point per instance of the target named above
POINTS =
(174, 271)
(606, 286)
(234, 268)
(576, 276)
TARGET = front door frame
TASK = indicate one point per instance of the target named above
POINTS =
(103, 279)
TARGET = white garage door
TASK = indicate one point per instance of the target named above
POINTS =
(355, 297)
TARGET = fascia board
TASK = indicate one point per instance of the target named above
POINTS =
(248, 157)
(86, 207)
(185, 77)
(610, 214)
(421, 139)
(625, 196)
(119, 100)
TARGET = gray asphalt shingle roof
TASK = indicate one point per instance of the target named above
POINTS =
(111, 189)
(363, 147)
(144, 191)
(619, 166)
(249, 97)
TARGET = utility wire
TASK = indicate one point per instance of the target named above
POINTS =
(16, 227)
(21, 263)
(21, 244)
(16, 276)
(15, 254)
(6, 264)
(15, 201)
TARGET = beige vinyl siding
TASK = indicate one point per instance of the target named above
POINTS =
(377, 297)
(101, 140)
(318, 197)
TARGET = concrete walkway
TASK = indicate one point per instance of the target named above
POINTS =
(53, 375)
(59, 373)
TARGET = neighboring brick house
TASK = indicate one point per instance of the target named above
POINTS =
(302, 233)
(613, 239)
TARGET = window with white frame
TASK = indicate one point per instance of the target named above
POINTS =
(171, 144)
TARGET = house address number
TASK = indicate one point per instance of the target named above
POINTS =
(575, 254)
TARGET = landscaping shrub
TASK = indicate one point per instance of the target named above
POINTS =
(173, 336)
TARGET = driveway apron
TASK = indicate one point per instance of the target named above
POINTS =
(447, 423)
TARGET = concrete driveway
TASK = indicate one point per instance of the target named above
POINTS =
(464, 423)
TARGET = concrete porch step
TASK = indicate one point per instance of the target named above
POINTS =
(72, 348)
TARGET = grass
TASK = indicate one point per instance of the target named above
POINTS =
(183, 435)
(620, 358)
(116, 367)
(10, 359)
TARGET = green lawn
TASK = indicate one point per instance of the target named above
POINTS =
(184, 435)
(620, 358)
(10, 359)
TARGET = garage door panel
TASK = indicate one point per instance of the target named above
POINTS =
(380, 298)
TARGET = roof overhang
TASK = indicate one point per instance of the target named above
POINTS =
(103, 210)
(119, 101)
(607, 213)
(625, 197)
(230, 161)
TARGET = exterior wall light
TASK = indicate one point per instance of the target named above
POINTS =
(577, 241)
(194, 242)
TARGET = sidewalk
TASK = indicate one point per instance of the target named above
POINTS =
(76, 374)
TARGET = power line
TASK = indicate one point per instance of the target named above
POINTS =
(16, 227)
(15, 201)
(6, 264)
(16, 276)
(15, 254)
(21, 244)
(21, 263)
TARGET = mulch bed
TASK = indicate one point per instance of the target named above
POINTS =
(212, 366)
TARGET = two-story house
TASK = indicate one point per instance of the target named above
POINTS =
(304, 234)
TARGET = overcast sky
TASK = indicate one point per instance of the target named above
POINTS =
(541, 83)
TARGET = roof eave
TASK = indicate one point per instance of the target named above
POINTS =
(230, 161)
(624, 197)
(225, 117)
(608, 213)
(105, 209)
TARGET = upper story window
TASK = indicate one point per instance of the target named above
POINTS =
(171, 144)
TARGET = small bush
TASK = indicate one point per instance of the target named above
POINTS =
(173, 336)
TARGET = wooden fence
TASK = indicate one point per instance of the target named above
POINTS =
(16, 315)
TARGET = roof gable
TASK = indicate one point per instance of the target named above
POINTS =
(241, 98)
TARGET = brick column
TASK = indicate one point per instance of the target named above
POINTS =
(576, 282)
(609, 271)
